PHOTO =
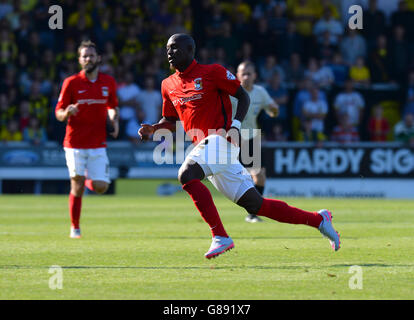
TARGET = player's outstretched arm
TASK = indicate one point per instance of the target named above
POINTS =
(147, 130)
(273, 110)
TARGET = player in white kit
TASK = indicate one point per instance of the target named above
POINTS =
(259, 100)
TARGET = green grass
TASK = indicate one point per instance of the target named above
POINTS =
(137, 245)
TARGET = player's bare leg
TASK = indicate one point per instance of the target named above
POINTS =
(190, 176)
(189, 171)
(280, 211)
(100, 186)
(97, 186)
(77, 187)
(259, 178)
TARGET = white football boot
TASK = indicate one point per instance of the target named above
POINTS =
(75, 233)
(328, 231)
(218, 246)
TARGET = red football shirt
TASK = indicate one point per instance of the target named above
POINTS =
(87, 129)
(199, 97)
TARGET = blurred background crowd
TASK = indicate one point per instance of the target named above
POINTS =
(332, 83)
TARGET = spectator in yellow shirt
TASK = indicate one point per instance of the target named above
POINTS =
(235, 7)
(327, 4)
(410, 4)
(11, 132)
(304, 13)
(360, 73)
(81, 13)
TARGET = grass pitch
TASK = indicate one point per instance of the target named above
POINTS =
(137, 245)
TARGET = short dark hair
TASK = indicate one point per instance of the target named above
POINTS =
(87, 44)
(247, 64)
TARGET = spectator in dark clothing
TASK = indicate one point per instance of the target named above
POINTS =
(105, 29)
(264, 42)
(214, 25)
(380, 61)
(277, 133)
(409, 104)
(204, 56)
(294, 70)
(292, 42)
(374, 23)
(277, 20)
(228, 42)
(339, 69)
(404, 17)
(163, 16)
(279, 93)
(23, 32)
(399, 54)
(326, 49)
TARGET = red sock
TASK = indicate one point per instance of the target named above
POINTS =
(89, 184)
(75, 204)
(282, 212)
(204, 202)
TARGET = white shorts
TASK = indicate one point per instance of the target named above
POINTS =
(219, 160)
(91, 163)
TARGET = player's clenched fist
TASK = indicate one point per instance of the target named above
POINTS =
(146, 131)
(64, 114)
(72, 109)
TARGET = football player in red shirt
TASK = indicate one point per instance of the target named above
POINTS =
(198, 96)
(88, 103)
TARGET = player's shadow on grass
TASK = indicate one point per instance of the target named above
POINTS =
(152, 267)
(240, 238)
(231, 267)
(381, 265)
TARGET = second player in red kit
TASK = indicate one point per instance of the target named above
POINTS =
(88, 103)
(88, 128)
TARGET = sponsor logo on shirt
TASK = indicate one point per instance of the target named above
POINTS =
(181, 101)
(92, 101)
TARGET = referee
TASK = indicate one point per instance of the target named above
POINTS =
(259, 100)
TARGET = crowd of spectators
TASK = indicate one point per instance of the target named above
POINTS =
(316, 68)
